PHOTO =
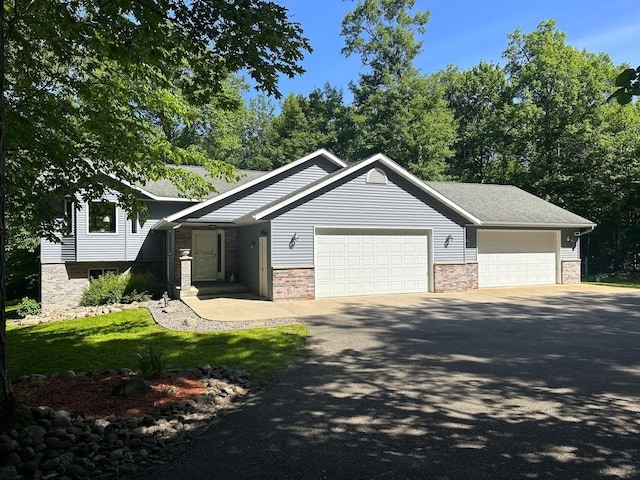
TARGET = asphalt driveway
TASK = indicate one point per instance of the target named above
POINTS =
(513, 386)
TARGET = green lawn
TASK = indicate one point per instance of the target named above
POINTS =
(111, 342)
(614, 281)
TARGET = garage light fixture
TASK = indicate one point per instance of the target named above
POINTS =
(448, 240)
(294, 239)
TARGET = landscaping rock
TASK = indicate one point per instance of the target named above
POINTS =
(132, 387)
(73, 446)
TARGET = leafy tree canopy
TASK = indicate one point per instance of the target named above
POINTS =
(86, 81)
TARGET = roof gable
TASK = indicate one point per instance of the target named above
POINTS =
(331, 180)
(254, 184)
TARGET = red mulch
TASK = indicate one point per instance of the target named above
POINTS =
(92, 395)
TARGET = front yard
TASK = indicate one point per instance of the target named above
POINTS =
(112, 342)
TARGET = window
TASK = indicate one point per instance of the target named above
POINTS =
(376, 175)
(98, 272)
(135, 223)
(102, 217)
(69, 216)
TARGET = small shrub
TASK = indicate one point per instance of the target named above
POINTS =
(134, 296)
(168, 390)
(28, 307)
(111, 288)
(108, 288)
(145, 283)
(150, 362)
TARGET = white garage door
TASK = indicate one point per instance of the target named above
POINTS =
(369, 262)
(507, 258)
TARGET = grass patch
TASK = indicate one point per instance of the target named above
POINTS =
(112, 342)
(614, 281)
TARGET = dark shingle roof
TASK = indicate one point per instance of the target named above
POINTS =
(507, 205)
(164, 188)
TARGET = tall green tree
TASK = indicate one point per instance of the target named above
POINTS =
(479, 98)
(80, 78)
(307, 123)
(568, 140)
(397, 111)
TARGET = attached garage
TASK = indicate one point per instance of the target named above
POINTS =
(511, 258)
(357, 261)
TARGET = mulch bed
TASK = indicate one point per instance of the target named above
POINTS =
(93, 396)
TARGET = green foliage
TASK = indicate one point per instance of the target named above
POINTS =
(628, 82)
(141, 285)
(150, 362)
(111, 288)
(117, 74)
(28, 306)
(110, 342)
(383, 33)
(305, 124)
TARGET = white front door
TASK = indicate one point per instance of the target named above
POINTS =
(208, 255)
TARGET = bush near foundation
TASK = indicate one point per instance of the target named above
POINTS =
(111, 288)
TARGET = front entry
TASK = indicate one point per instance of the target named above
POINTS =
(208, 255)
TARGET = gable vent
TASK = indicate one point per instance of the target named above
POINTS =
(376, 175)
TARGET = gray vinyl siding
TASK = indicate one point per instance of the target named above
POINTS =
(248, 200)
(144, 246)
(356, 203)
(248, 258)
(569, 250)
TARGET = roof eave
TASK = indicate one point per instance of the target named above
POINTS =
(536, 225)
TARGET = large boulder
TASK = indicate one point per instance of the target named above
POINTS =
(131, 387)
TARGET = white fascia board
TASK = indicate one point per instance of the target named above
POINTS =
(359, 166)
(538, 225)
(267, 176)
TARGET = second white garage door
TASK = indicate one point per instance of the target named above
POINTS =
(372, 261)
(510, 258)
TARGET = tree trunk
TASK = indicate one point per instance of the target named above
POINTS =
(10, 409)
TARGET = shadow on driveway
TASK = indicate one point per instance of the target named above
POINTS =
(447, 389)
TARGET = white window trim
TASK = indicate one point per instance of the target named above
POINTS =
(102, 234)
(70, 213)
(134, 221)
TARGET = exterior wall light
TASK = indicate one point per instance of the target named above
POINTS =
(294, 239)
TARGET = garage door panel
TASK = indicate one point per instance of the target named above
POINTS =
(364, 264)
(516, 258)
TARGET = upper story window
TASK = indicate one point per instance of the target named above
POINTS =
(69, 216)
(135, 223)
(102, 217)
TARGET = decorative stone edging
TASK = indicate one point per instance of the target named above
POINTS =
(78, 312)
(66, 444)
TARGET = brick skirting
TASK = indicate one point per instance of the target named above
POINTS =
(455, 277)
(62, 283)
(571, 272)
(298, 283)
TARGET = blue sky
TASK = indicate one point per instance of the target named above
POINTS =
(463, 32)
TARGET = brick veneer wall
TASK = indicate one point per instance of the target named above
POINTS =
(297, 283)
(571, 271)
(455, 277)
(62, 283)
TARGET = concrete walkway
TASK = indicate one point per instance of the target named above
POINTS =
(250, 307)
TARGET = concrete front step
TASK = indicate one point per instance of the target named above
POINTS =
(212, 289)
